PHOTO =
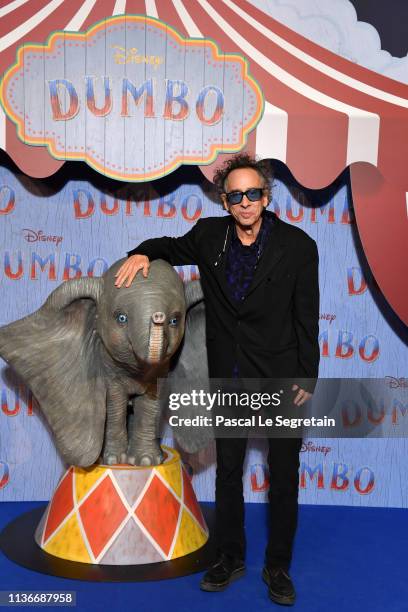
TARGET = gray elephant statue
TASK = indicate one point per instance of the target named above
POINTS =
(92, 348)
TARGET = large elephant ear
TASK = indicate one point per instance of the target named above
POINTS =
(190, 371)
(56, 351)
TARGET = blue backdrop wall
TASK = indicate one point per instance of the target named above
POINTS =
(78, 223)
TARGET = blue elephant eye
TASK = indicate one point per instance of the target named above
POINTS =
(121, 318)
(173, 321)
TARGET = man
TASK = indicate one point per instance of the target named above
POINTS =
(259, 277)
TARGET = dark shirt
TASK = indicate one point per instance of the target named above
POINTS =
(242, 260)
(241, 263)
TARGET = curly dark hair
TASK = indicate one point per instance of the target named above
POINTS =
(244, 160)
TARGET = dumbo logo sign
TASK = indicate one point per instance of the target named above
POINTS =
(131, 97)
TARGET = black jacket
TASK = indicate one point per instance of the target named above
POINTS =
(274, 331)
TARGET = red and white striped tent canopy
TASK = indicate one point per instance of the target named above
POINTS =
(322, 113)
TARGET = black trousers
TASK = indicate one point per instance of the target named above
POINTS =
(283, 462)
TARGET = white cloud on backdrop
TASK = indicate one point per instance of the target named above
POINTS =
(333, 24)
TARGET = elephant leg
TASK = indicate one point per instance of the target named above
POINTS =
(144, 447)
(116, 439)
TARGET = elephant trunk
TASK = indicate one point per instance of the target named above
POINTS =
(157, 343)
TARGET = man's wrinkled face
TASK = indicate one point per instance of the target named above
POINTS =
(246, 213)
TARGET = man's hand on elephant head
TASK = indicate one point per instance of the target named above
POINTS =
(130, 268)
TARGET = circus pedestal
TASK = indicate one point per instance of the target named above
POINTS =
(123, 515)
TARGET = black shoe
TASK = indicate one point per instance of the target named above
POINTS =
(280, 585)
(226, 569)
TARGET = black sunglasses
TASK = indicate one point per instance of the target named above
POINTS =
(235, 197)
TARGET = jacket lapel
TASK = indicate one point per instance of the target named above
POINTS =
(221, 259)
(271, 255)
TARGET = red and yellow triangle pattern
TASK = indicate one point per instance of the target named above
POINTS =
(123, 515)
